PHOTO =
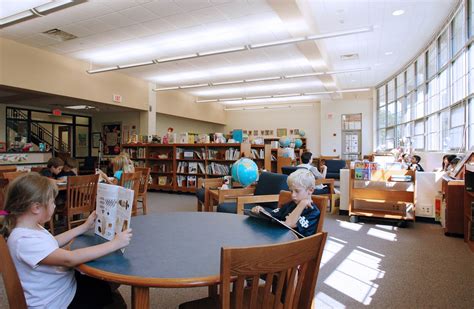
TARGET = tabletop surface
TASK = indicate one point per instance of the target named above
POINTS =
(182, 244)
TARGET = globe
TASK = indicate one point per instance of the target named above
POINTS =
(245, 172)
(285, 141)
(302, 133)
(298, 143)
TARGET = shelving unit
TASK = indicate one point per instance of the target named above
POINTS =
(177, 167)
(468, 216)
(380, 197)
(274, 152)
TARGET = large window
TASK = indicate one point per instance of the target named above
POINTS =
(428, 103)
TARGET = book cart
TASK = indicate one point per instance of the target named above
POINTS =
(378, 193)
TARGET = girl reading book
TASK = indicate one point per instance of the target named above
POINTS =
(44, 267)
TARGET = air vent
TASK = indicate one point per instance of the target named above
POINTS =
(350, 57)
(59, 35)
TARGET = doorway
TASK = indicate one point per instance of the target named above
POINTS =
(351, 136)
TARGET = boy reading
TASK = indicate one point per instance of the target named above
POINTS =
(300, 214)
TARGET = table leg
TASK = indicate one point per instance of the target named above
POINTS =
(213, 290)
(140, 297)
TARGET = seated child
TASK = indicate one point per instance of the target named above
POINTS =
(300, 214)
(70, 168)
(120, 164)
(415, 164)
(53, 168)
(307, 160)
(46, 270)
(323, 169)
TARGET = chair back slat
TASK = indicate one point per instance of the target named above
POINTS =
(132, 181)
(295, 265)
(143, 179)
(6, 169)
(81, 197)
(11, 280)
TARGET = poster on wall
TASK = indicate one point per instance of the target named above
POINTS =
(111, 133)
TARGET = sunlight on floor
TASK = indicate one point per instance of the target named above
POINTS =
(355, 276)
(349, 225)
(322, 300)
(331, 248)
(386, 227)
(382, 234)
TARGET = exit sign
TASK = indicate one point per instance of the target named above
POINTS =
(117, 98)
(56, 112)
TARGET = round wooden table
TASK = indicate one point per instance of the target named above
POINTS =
(177, 250)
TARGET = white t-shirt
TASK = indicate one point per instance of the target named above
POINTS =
(44, 286)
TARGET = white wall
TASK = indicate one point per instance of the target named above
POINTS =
(180, 124)
(332, 126)
(303, 118)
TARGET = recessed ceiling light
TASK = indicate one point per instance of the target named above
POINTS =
(398, 12)
(388, 53)
(79, 107)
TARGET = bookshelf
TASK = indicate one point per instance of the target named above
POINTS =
(177, 167)
(377, 195)
(274, 152)
(468, 214)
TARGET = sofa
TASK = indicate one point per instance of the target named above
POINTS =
(334, 167)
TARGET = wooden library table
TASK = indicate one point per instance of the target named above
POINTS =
(177, 250)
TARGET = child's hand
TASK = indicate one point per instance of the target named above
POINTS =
(90, 222)
(256, 209)
(306, 203)
(123, 238)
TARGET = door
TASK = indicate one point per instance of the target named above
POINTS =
(351, 145)
(64, 139)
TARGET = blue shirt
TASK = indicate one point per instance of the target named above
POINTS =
(118, 174)
(308, 221)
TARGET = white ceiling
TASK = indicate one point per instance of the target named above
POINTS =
(113, 32)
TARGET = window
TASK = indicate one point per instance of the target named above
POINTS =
(420, 70)
(470, 119)
(458, 31)
(411, 106)
(432, 58)
(411, 77)
(419, 135)
(443, 89)
(406, 110)
(382, 116)
(390, 138)
(381, 139)
(420, 103)
(381, 96)
(400, 103)
(443, 48)
(391, 91)
(456, 132)
(432, 96)
(391, 114)
(471, 69)
(457, 79)
(432, 139)
(401, 84)
(471, 16)
(444, 129)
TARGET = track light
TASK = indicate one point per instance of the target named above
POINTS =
(134, 65)
(177, 58)
(103, 70)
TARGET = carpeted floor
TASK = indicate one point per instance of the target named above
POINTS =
(364, 264)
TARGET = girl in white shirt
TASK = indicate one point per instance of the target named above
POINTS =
(45, 269)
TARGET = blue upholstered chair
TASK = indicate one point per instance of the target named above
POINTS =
(334, 167)
(287, 170)
(268, 184)
(201, 192)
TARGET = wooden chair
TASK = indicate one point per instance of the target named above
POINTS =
(7, 169)
(283, 161)
(290, 276)
(37, 169)
(81, 197)
(132, 181)
(332, 192)
(143, 188)
(202, 191)
(10, 176)
(11, 280)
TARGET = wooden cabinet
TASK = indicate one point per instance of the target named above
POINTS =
(453, 194)
(381, 197)
(177, 167)
(468, 216)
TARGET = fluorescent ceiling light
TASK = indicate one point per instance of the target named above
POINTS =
(206, 101)
(318, 93)
(398, 12)
(353, 90)
(258, 97)
(388, 53)
(304, 75)
(166, 88)
(18, 16)
(177, 58)
(193, 86)
(339, 33)
(262, 79)
(286, 95)
(51, 5)
(243, 108)
(230, 99)
(133, 65)
(347, 71)
(80, 107)
(222, 51)
(228, 83)
(103, 70)
(276, 43)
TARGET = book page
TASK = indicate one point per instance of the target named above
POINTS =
(106, 209)
(263, 214)
(124, 209)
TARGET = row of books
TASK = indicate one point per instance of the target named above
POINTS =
(162, 168)
(363, 170)
(165, 181)
(218, 169)
(136, 153)
(186, 181)
(190, 167)
(257, 154)
(232, 154)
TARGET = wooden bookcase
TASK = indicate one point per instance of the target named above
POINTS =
(274, 153)
(177, 167)
(468, 216)
(382, 198)
(453, 195)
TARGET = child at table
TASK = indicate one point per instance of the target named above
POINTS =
(53, 168)
(69, 169)
(120, 164)
(300, 214)
(44, 267)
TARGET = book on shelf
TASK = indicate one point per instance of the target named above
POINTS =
(192, 167)
(113, 209)
(181, 180)
(191, 181)
(182, 167)
(400, 178)
(232, 154)
(362, 174)
(265, 215)
(162, 180)
(202, 170)
(218, 169)
(188, 154)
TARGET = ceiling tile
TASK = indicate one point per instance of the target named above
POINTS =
(208, 15)
(163, 8)
(116, 20)
(138, 14)
(159, 25)
(182, 20)
(94, 25)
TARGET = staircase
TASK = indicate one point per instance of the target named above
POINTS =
(39, 134)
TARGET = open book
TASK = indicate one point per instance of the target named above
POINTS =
(263, 214)
(114, 210)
